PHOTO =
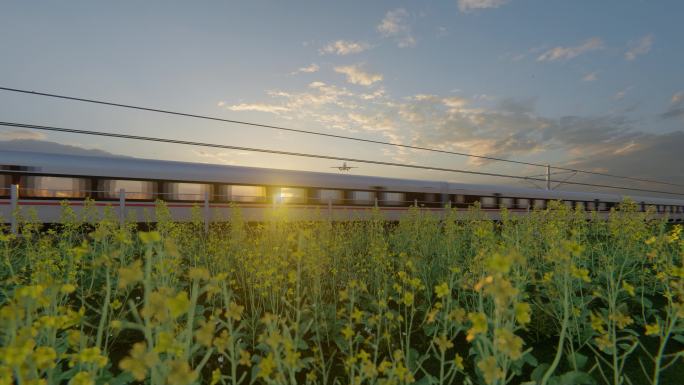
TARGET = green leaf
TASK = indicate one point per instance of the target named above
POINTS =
(576, 378)
(539, 371)
(530, 359)
(578, 359)
(679, 338)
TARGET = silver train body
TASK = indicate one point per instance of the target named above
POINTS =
(131, 186)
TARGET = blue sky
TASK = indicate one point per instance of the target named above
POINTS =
(593, 84)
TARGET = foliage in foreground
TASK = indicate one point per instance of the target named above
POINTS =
(549, 298)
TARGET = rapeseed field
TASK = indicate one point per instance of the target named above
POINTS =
(545, 298)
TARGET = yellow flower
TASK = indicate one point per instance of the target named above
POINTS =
(116, 304)
(179, 304)
(74, 338)
(68, 288)
(222, 342)
(580, 273)
(457, 315)
(266, 366)
(442, 290)
(508, 343)
(347, 332)
(628, 288)
(479, 325)
(199, 274)
(499, 263)
(408, 298)
(181, 373)
(131, 274)
(653, 329)
(430, 317)
(92, 356)
(82, 378)
(490, 370)
(205, 334)
(149, 237)
(138, 361)
(621, 320)
(458, 362)
(234, 311)
(245, 358)
(6, 376)
(357, 315)
(597, 323)
(44, 357)
(215, 376)
(522, 313)
(603, 343)
(443, 343)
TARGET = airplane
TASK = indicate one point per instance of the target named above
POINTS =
(344, 167)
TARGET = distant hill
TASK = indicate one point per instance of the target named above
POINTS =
(34, 145)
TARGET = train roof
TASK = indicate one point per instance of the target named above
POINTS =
(139, 168)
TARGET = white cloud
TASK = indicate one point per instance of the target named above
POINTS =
(356, 75)
(344, 47)
(259, 107)
(469, 5)
(676, 109)
(567, 53)
(455, 102)
(22, 135)
(395, 25)
(590, 77)
(639, 47)
(311, 68)
(509, 128)
(677, 98)
(622, 93)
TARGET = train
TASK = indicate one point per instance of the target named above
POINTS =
(130, 186)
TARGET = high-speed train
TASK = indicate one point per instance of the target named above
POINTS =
(131, 186)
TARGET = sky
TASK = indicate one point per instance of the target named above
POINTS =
(595, 85)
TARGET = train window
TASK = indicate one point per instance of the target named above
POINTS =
(362, 197)
(392, 198)
(580, 205)
(523, 203)
(294, 195)
(590, 206)
(53, 187)
(488, 201)
(135, 189)
(539, 204)
(458, 198)
(186, 191)
(323, 196)
(506, 202)
(5, 182)
(242, 193)
(568, 204)
(601, 206)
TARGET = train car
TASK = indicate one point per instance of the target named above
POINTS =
(131, 187)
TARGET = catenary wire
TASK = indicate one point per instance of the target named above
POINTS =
(308, 132)
(308, 155)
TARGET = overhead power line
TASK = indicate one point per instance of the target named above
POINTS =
(308, 155)
(308, 132)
